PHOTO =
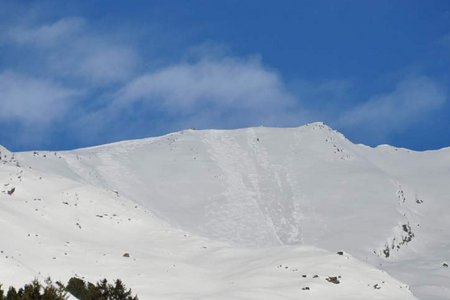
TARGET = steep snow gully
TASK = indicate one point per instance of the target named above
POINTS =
(255, 213)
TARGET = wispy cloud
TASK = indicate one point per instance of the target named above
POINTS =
(411, 101)
(70, 48)
(228, 83)
(30, 107)
(46, 35)
(33, 101)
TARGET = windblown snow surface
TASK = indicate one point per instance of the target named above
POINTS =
(257, 213)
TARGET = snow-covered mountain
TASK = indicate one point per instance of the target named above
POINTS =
(256, 213)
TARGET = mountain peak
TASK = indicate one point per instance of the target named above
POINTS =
(272, 191)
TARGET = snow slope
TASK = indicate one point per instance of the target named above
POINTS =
(241, 214)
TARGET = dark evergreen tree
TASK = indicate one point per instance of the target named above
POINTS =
(104, 288)
(12, 294)
(51, 292)
(31, 291)
(76, 286)
(119, 292)
(93, 292)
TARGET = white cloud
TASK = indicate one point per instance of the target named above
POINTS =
(98, 62)
(411, 101)
(32, 101)
(219, 87)
(46, 35)
(70, 48)
(93, 60)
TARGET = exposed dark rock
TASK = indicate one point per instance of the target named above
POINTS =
(333, 279)
(386, 251)
(11, 191)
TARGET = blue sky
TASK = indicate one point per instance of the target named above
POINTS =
(80, 73)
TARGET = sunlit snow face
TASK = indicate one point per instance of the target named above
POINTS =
(230, 206)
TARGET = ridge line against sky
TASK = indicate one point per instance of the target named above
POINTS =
(83, 73)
